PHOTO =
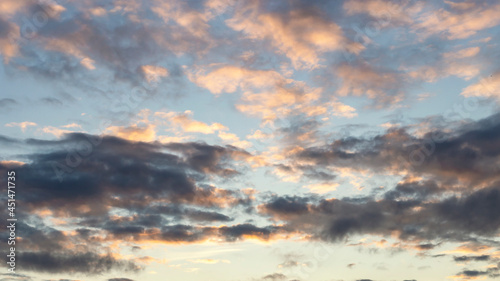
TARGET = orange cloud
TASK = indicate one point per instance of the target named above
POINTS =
(486, 87)
(386, 11)
(375, 84)
(227, 79)
(153, 73)
(234, 140)
(187, 124)
(192, 21)
(322, 188)
(266, 93)
(301, 36)
(461, 22)
(22, 125)
(146, 133)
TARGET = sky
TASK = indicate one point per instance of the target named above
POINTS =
(232, 140)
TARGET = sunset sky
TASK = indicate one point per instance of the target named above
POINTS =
(251, 140)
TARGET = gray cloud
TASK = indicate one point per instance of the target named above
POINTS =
(115, 173)
(469, 153)
(454, 218)
(274, 276)
(472, 258)
(87, 263)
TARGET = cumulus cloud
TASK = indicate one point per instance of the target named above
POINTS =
(457, 219)
(167, 176)
(466, 154)
(459, 20)
(268, 94)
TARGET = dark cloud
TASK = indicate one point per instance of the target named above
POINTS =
(51, 101)
(274, 276)
(428, 246)
(457, 218)
(45, 249)
(7, 140)
(236, 232)
(493, 271)
(472, 258)
(286, 206)
(38, 236)
(7, 102)
(100, 172)
(469, 153)
(414, 190)
(87, 263)
(162, 186)
(473, 273)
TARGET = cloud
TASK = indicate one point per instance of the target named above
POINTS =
(234, 140)
(460, 63)
(88, 263)
(463, 53)
(77, 44)
(9, 32)
(153, 73)
(384, 87)
(15, 277)
(385, 11)
(257, 135)
(284, 207)
(56, 131)
(124, 175)
(459, 21)
(22, 125)
(455, 219)
(267, 93)
(227, 79)
(470, 274)
(146, 133)
(488, 87)
(467, 154)
(322, 187)
(51, 101)
(7, 102)
(190, 20)
(471, 258)
(187, 124)
(300, 35)
(274, 276)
